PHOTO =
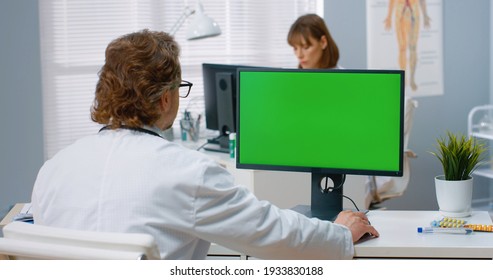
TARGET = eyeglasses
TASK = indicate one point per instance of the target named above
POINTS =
(184, 88)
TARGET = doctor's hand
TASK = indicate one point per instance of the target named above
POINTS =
(357, 222)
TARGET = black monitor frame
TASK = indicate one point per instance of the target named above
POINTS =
(220, 102)
(326, 202)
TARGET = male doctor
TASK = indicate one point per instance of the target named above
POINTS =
(127, 178)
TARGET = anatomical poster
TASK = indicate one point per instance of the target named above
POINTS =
(408, 35)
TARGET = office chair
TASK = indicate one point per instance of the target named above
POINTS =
(384, 188)
(29, 241)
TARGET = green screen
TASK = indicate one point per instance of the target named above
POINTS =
(347, 121)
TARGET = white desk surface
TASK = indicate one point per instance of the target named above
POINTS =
(399, 237)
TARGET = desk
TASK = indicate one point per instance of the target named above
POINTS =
(10, 215)
(399, 237)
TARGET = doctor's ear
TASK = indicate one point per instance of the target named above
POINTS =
(165, 100)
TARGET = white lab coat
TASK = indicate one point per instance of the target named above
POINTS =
(128, 181)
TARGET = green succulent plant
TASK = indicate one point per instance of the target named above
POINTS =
(459, 155)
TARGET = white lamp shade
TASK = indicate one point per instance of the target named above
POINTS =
(202, 26)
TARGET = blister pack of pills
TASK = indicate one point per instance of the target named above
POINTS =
(477, 227)
(459, 223)
(448, 223)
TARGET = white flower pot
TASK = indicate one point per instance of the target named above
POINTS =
(454, 197)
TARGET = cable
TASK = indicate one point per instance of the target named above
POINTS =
(355, 206)
(202, 146)
(329, 189)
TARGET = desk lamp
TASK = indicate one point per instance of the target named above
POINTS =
(201, 26)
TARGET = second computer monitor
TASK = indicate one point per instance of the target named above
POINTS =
(220, 102)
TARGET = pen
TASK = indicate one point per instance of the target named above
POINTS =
(444, 230)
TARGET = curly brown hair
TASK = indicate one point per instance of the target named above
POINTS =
(139, 68)
(312, 25)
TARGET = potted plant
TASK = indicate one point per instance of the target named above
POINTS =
(459, 156)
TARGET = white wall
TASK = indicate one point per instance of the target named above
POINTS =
(21, 136)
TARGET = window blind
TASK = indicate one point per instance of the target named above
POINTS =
(75, 33)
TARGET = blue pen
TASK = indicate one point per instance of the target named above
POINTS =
(444, 230)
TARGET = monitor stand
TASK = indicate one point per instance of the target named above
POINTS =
(325, 204)
(218, 144)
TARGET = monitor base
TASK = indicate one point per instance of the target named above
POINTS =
(217, 145)
(307, 211)
(215, 148)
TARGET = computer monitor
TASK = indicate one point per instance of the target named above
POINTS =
(327, 122)
(220, 102)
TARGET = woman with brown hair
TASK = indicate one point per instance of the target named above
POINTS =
(312, 43)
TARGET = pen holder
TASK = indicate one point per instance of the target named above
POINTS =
(190, 126)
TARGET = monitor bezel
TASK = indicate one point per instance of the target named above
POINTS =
(316, 169)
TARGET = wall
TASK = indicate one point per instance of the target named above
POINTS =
(21, 140)
(466, 73)
(491, 94)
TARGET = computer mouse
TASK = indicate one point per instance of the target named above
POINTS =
(365, 237)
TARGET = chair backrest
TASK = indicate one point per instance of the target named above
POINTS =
(383, 188)
(29, 241)
(409, 107)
